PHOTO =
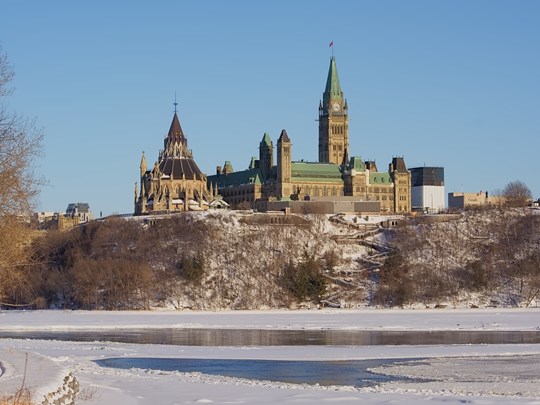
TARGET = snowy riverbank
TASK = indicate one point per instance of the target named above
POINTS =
(365, 319)
(476, 374)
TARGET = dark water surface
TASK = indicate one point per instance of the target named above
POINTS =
(258, 337)
(350, 372)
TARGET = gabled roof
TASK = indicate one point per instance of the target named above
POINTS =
(311, 171)
(243, 177)
(379, 178)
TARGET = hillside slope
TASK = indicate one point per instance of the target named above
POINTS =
(243, 260)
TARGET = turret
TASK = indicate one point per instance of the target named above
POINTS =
(266, 157)
(284, 166)
(143, 165)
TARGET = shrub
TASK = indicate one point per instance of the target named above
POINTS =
(305, 280)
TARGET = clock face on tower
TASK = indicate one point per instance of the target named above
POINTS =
(336, 107)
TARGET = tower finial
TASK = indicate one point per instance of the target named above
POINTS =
(175, 103)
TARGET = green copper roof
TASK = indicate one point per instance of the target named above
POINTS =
(253, 163)
(249, 176)
(266, 140)
(357, 164)
(333, 89)
(379, 178)
(308, 171)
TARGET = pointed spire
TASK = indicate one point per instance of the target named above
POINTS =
(175, 131)
(345, 161)
(333, 88)
(283, 137)
(143, 164)
(266, 140)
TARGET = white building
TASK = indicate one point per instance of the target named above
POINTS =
(427, 191)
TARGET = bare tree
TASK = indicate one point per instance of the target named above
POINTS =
(517, 194)
(20, 145)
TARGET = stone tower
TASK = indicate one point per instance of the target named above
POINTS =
(266, 156)
(284, 187)
(333, 120)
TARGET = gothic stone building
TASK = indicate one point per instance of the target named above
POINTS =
(175, 183)
(334, 175)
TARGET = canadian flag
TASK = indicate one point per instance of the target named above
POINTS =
(331, 44)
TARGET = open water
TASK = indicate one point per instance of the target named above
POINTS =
(349, 372)
(273, 337)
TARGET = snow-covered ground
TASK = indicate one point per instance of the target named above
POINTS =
(475, 374)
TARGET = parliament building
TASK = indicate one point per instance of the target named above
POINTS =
(336, 183)
(336, 177)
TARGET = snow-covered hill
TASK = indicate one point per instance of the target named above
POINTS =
(243, 260)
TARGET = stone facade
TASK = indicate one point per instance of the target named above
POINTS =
(457, 200)
(334, 175)
(175, 182)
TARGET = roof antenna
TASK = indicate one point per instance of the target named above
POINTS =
(175, 103)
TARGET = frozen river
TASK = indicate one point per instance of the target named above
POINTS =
(268, 337)
(486, 356)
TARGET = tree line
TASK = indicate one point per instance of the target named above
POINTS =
(487, 257)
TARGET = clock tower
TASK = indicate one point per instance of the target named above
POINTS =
(333, 120)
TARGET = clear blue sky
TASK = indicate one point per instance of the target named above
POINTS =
(442, 83)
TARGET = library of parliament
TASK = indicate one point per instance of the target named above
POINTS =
(175, 183)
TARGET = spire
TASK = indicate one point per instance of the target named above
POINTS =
(283, 137)
(266, 140)
(175, 131)
(333, 89)
(345, 161)
(143, 164)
